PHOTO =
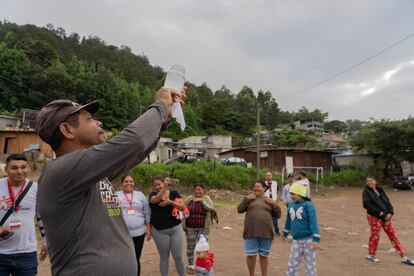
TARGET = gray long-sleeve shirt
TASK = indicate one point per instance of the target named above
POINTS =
(85, 230)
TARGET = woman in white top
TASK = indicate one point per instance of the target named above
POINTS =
(136, 213)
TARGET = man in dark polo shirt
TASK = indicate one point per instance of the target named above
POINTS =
(85, 230)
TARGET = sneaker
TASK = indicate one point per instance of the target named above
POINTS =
(373, 258)
(406, 260)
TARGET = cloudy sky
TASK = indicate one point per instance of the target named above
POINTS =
(280, 46)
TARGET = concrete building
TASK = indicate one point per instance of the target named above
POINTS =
(165, 150)
(24, 119)
(207, 147)
(7, 122)
(314, 126)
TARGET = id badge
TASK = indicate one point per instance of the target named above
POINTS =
(14, 225)
(131, 211)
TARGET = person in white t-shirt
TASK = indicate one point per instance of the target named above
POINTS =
(18, 252)
(137, 215)
(274, 193)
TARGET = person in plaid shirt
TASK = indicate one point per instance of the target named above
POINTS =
(199, 221)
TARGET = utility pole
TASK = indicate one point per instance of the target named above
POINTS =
(258, 141)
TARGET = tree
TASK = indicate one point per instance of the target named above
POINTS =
(289, 138)
(354, 125)
(204, 93)
(41, 64)
(38, 51)
(336, 126)
(270, 112)
(305, 115)
(392, 139)
(245, 101)
(14, 68)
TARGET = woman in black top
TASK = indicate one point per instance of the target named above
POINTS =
(379, 214)
(166, 229)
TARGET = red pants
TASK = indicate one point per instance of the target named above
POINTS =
(376, 225)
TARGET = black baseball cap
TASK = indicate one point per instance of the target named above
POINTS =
(56, 112)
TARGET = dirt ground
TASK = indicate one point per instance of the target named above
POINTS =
(344, 236)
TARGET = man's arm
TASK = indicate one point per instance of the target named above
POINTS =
(76, 171)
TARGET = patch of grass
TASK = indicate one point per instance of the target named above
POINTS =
(226, 204)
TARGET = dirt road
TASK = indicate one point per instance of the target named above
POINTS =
(344, 234)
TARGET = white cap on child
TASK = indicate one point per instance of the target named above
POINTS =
(201, 245)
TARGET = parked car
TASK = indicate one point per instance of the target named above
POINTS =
(183, 159)
(404, 183)
(234, 161)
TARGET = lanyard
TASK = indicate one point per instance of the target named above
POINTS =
(129, 201)
(11, 193)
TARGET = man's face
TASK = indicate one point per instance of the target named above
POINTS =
(290, 180)
(89, 131)
(17, 171)
(269, 176)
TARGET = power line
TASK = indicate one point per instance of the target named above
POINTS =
(347, 69)
(18, 84)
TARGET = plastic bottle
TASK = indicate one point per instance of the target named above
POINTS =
(175, 79)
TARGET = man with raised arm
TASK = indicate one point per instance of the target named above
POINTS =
(85, 230)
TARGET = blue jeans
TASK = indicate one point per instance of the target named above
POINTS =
(255, 245)
(276, 224)
(21, 264)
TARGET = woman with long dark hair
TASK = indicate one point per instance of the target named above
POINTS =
(166, 228)
(379, 214)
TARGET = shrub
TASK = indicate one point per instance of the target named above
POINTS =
(347, 177)
(211, 174)
(217, 175)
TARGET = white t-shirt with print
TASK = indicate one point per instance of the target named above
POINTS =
(24, 238)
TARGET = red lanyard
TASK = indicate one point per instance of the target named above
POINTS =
(12, 196)
(129, 201)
